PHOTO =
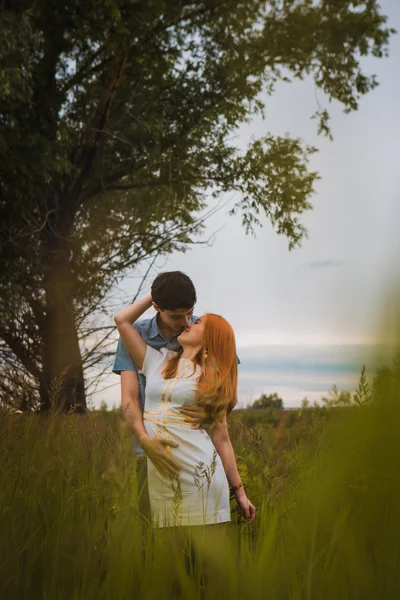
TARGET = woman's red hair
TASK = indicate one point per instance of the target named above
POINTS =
(217, 384)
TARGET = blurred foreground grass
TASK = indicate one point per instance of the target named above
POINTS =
(325, 481)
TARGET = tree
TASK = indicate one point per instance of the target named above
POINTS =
(115, 120)
(271, 401)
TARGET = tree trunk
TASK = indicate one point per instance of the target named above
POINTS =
(45, 402)
(62, 357)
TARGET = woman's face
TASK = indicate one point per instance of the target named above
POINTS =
(193, 334)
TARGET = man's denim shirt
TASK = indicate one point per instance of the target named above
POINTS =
(151, 334)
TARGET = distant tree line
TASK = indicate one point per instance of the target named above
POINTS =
(268, 401)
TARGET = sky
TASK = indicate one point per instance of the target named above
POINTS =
(328, 293)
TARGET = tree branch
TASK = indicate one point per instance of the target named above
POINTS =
(21, 352)
(100, 120)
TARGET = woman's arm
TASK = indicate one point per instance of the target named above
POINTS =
(221, 440)
(130, 404)
(131, 338)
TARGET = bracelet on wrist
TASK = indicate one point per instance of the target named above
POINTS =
(234, 488)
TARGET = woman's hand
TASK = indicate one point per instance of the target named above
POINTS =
(246, 508)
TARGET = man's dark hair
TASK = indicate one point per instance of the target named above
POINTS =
(173, 290)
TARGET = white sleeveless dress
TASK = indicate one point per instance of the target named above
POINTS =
(200, 494)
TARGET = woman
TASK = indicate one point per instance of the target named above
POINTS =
(204, 372)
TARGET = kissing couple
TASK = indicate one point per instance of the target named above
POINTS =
(179, 383)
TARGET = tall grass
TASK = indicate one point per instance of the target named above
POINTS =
(326, 486)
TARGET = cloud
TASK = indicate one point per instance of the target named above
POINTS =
(323, 264)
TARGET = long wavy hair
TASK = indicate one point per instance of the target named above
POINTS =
(217, 384)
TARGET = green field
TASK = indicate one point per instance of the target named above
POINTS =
(325, 481)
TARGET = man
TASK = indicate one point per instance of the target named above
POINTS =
(174, 297)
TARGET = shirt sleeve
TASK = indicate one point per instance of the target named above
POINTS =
(153, 359)
(123, 360)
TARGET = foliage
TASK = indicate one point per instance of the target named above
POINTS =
(116, 119)
(325, 484)
(362, 396)
(268, 401)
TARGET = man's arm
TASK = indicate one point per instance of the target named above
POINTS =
(132, 339)
(130, 404)
(154, 447)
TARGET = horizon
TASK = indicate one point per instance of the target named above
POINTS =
(292, 371)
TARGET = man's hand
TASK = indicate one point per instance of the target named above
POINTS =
(156, 450)
(195, 415)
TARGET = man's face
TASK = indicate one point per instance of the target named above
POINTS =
(177, 319)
